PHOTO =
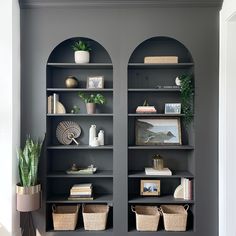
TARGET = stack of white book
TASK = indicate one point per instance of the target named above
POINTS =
(81, 192)
(152, 171)
(187, 188)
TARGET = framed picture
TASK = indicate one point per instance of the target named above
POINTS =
(95, 82)
(158, 131)
(150, 187)
(172, 108)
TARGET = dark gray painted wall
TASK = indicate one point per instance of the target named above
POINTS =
(120, 31)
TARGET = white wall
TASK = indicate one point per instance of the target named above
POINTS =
(227, 117)
(9, 113)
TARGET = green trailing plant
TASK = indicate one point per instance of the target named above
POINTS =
(93, 98)
(186, 90)
(28, 160)
(81, 46)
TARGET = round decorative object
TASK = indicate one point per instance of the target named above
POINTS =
(68, 131)
(177, 81)
(71, 82)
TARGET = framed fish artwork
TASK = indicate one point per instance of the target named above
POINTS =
(158, 131)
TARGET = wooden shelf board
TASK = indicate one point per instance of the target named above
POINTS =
(159, 65)
(167, 147)
(98, 174)
(154, 90)
(81, 66)
(158, 200)
(79, 90)
(175, 174)
(154, 114)
(105, 198)
(72, 147)
(80, 115)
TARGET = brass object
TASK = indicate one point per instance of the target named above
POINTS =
(158, 163)
(31, 190)
(71, 82)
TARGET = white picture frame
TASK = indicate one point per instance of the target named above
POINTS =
(173, 108)
(95, 82)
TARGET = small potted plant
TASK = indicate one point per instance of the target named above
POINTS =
(81, 50)
(28, 191)
(91, 101)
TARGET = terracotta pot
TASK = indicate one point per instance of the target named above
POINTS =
(81, 57)
(28, 198)
(91, 108)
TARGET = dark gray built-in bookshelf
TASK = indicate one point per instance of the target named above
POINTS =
(61, 157)
(142, 83)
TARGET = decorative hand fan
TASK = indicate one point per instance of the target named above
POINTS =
(68, 131)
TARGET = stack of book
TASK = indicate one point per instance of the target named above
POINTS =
(152, 171)
(81, 192)
(187, 188)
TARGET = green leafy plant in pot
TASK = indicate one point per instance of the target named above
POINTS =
(28, 191)
(81, 52)
(91, 100)
(187, 95)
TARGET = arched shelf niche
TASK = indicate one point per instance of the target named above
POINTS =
(155, 83)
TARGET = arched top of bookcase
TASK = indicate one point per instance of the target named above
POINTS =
(161, 46)
(63, 52)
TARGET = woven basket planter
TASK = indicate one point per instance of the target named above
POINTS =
(65, 217)
(95, 216)
(175, 217)
(147, 217)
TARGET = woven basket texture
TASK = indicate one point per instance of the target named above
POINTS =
(175, 217)
(95, 216)
(65, 217)
(147, 218)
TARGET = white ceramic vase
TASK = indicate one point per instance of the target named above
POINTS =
(81, 57)
(92, 134)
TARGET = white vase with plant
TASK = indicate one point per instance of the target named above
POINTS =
(81, 52)
(28, 191)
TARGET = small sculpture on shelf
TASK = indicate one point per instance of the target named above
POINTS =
(146, 108)
(95, 141)
(74, 170)
(54, 105)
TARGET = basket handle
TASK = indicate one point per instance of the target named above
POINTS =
(54, 208)
(133, 209)
(186, 207)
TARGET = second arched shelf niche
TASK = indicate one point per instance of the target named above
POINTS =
(150, 133)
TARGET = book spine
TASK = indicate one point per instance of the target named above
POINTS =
(55, 101)
(50, 104)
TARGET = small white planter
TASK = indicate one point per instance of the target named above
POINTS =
(81, 57)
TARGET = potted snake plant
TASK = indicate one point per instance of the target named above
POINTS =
(81, 52)
(28, 190)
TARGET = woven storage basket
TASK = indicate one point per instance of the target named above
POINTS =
(147, 217)
(175, 217)
(95, 216)
(65, 217)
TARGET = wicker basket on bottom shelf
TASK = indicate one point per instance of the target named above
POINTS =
(65, 217)
(175, 217)
(147, 217)
(95, 216)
